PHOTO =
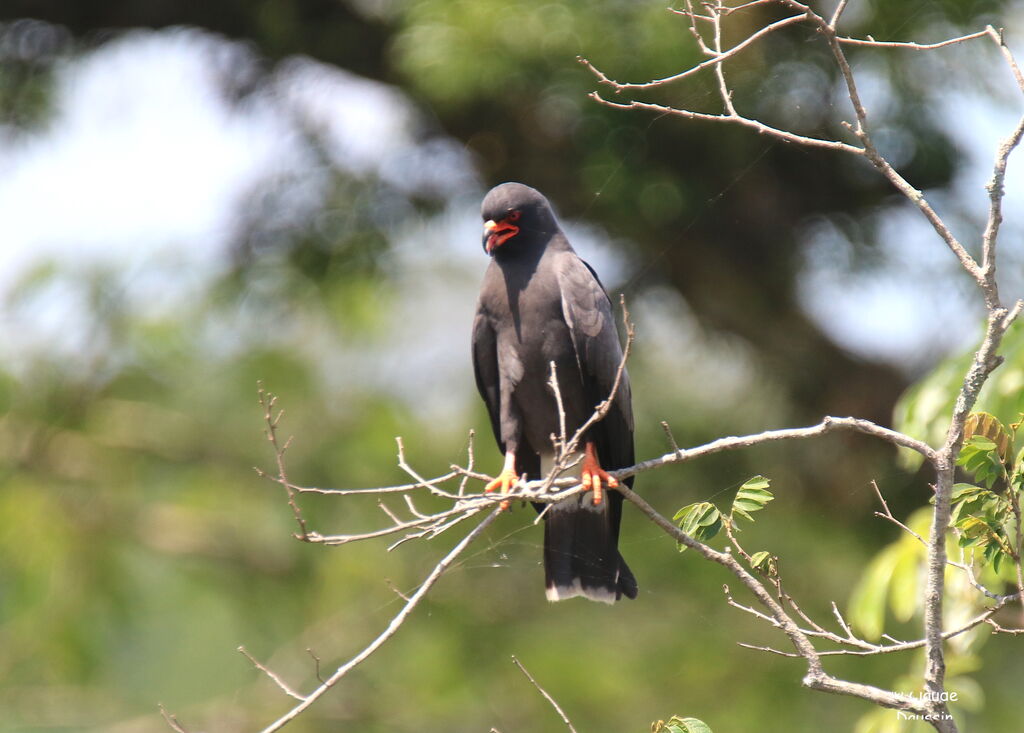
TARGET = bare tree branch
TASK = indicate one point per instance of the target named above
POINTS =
(816, 677)
(870, 42)
(757, 126)
(716, 59)
(391, 630)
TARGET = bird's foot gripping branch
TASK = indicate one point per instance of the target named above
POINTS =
(505, 480)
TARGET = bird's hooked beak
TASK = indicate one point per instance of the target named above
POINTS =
(496, 233)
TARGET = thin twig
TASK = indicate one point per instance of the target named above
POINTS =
(715, 61)
(557, 389)
(834, 21)
(827, 425)
(886, 514)
(276, 679)
(996, 194)
(398, 489)
(861, 648)
(671, 438)
(841, 621)
(316, 659)
(997, 37)
(267, 402)
(542, 691)
(997, 629)
(870, 42)
(723, 87)
(171, 720)
(756, 125)
(470, 460)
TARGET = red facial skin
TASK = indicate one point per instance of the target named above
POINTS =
(496, 233)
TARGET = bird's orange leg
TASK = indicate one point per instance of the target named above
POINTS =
(506, 479)
(592, 476)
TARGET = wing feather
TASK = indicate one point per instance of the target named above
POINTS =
(588, 314)
(485, 369)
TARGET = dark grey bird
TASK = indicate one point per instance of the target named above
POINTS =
(540, 303)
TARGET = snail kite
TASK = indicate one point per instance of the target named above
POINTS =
(540, 303)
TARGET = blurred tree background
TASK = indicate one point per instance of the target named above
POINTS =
(200, 196)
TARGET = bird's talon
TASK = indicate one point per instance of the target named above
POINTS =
(594, 478)
(504, 483)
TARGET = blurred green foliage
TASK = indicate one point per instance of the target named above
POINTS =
(984, 519)
(893, 582)
(925, 409)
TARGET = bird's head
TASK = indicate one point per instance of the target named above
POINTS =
(515, 215)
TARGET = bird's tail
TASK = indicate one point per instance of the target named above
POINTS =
(581, 556)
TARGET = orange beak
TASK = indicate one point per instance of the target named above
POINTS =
(497, 233)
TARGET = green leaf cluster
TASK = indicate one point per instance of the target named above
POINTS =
(986, 521)
(703, 520)
(753, 496)
(925, 408)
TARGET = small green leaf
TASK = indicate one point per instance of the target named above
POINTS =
(994, 554)
(981, 442)
(968, 500)
(983, 458)
(980, 424)
(752, 496)
(764, 563)
(693, 725)
(756, 482)
(963, 491)
(974, 532)
(680, 725)
(702, 521)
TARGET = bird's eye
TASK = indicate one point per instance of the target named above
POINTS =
(513, 216)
